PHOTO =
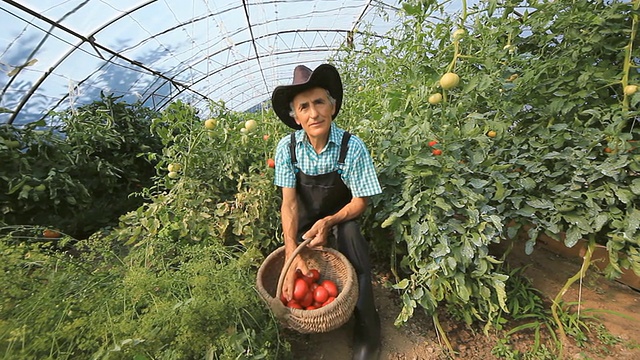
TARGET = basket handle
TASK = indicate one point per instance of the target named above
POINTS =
(287, 265)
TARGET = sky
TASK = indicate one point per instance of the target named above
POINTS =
(57, 54)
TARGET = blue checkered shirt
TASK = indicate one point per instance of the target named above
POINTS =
(358, 173)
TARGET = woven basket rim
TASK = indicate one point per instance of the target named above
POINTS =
(334, 314)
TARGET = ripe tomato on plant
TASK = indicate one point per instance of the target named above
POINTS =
(436, 152)
(271, 163)
(51, 234)
(433, 143)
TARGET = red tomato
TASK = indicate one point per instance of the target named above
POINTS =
(313, 286)
(321, 294)
(294, 304)
(329, 301)
(308, 299)
(51, 234)
(271, 163)
(331, 287)
(311, 307)
(300, 289)
(436, 152)
(308, 279)
(265, 137)
(432, 143)
(316, 304)
(316, 274)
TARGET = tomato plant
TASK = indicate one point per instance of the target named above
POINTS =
(556, 113)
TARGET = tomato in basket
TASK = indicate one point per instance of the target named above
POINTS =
(308, 300)
(331, 287)
(320, 294)
(294, 304)
(300, 289)
(311, 291)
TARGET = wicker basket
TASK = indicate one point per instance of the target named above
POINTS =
(333, 266)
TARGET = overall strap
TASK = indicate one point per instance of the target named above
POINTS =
(344, 147)
(292, 149)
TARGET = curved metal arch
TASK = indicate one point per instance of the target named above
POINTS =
(248, 41)
(280, 65)
(83, 39)
(56, 24)
(237, 63)
(266, 94)
(159, 76)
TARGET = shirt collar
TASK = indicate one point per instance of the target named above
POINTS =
(335, 135)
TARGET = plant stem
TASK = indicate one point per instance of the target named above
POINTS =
(556, 302)
(628, 53)
(440, 331)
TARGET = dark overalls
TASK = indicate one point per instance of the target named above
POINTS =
(323, 195)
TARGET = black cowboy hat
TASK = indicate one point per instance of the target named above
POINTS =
(325, 76)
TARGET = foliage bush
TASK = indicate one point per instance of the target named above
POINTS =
(548, 79)
(77, 176)
(198, 302)
(175, 278)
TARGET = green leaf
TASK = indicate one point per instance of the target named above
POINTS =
(633, 223)
(389, 221)
(403, 284)
(635, 186)
(573, 235)
(440, 250)
(624, 195)
(528, 246)
(492, 7)
(478, 183)
(540, 203)
(501, 293)
(500, 193)
(527, 183)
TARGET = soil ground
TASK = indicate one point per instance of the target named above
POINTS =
(616, 334)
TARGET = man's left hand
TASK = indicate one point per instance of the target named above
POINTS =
(319, 232)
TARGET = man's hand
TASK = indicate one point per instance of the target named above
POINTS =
(319, 232)
(290, 278)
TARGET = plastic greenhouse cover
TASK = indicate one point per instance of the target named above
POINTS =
(58, 54)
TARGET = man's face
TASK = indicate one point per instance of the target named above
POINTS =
(314, 111)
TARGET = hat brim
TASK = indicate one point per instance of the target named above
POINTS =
(325, 76)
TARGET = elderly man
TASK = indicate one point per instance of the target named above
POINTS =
(326, 175)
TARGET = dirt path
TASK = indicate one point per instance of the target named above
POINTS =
(418, 340)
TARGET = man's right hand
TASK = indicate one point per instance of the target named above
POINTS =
(290, 278)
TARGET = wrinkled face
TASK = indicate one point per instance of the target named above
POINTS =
(313, 111)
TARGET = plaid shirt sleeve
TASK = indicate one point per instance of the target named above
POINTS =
(359, 173)
(284, 174)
